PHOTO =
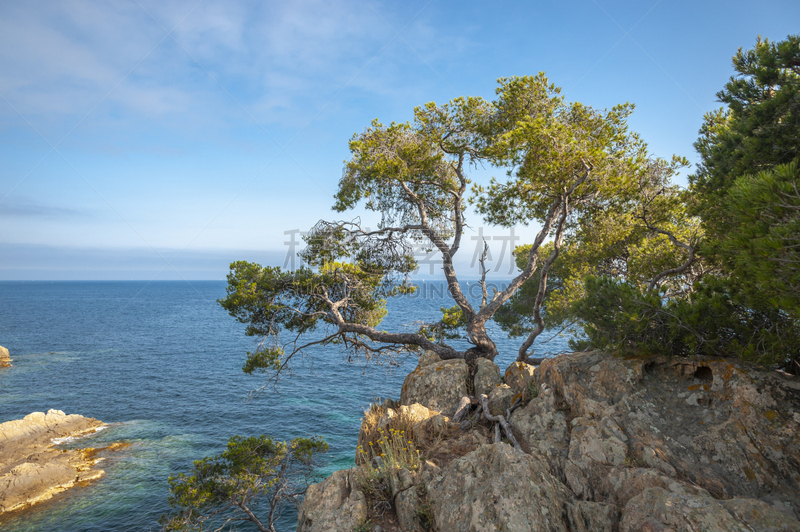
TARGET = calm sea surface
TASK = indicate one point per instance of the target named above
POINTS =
(161, 363)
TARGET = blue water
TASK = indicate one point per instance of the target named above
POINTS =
(161, 363)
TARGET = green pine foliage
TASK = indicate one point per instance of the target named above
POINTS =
(739, 222)
(762, 247)
(251, 481)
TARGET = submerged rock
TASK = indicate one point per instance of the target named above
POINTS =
(31, 470)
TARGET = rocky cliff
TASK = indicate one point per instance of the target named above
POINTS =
(602, 444)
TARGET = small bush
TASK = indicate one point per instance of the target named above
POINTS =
(395, 449)
(533, 391)
(719, 318)
(371, 433)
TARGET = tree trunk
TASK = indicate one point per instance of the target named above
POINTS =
(484, 346)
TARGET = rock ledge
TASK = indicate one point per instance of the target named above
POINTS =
(32, 470)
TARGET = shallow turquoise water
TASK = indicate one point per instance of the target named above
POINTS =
(161, 363)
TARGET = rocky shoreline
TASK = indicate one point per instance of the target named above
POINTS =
(604, 444)
(33, 469)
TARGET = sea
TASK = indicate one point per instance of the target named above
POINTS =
(160, 363)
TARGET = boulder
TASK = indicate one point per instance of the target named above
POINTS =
(497, 488)
(389, 403)
(430, 430)
(415, 413)
(427, 358)
(333, 505)
(5, 358)
(500, 400)
(444, 451)
(406, 505)
(438, 386)
(519, 375)
(400, 480)
(487, 376)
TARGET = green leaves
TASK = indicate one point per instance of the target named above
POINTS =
(745, 190)
(392, 165)
(271, 302)
(549, 145)
(227, 488)
(757, 131)
(763, 245)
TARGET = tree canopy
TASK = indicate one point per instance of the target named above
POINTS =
(714, 269)
(565, 165)
(622, 254)
(225, 490)
(746, 186)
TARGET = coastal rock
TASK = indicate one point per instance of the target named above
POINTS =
(427, 358)
(487, 376)
(415, 413)
(712, 424)
(586, 516)
(518, 376)
(430, 430)
(543, 425)
(657, 509)
(500, 400)
(333, 505)
(406, 505)
(438, 386)
(5, 358)
(497, 488)
(31, 470)
(617, 444)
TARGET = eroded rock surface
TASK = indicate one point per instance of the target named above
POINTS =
(519, 375)
(436, 385)
(611, 445)
(333, 505)
(487, 377)
(714, 424)
(498, 488)
(31, 469)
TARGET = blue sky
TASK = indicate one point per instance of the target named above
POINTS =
(153, 140)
